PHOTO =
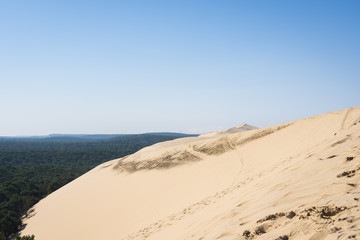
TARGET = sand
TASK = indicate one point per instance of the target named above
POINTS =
(298, 180)
(241, 128)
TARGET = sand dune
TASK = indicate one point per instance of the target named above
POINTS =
(298, 180)
(241, 128)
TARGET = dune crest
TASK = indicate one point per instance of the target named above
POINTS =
(298, 180)
(241, 128)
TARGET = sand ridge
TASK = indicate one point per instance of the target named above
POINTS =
(298, 180)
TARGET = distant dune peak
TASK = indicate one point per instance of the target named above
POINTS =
(246, 126)
(241, 128)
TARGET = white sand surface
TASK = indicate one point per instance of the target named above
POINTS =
(240, 185)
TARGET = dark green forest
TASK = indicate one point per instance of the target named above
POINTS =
(33, 167)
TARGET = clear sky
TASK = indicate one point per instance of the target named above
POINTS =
(184, 66)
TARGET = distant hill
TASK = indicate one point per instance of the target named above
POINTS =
(88, 137)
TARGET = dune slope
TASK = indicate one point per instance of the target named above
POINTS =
(298, 180)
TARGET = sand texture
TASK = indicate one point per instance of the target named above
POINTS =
(298, 180)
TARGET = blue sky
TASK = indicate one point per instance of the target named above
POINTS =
(186, 66)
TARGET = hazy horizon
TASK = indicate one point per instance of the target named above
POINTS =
(192, 67)
(86, 134)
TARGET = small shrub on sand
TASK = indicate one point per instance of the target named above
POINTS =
(27, 237)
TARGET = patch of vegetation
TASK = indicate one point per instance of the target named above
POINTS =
(28, 237)
(166, 161)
